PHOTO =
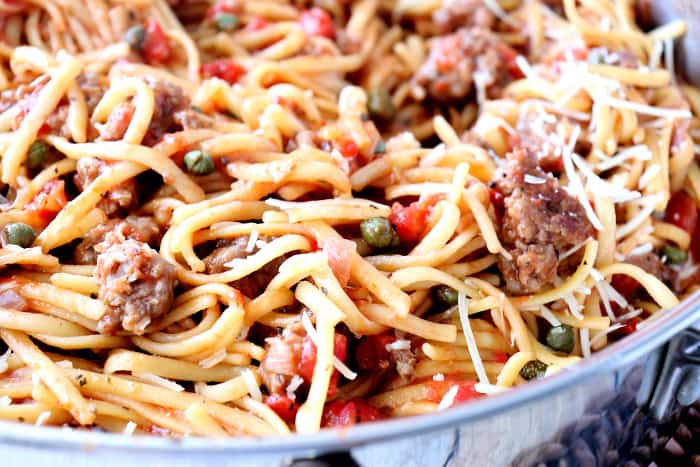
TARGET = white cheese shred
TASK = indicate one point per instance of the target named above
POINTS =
(489, 389)
(473, 349)
(448, 399)
(585, 335)
(129, 429)
(293, 385)
(42, 418)
(252, 239)
(340, 366)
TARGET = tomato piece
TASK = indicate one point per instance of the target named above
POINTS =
(256, 23)
(349, 148)
(410, 221)
(508, 55)
(627, 286)
(317, 22)
(500, 357)
(307, 360)
(465, 390)
(339, 252)
(283, 405)
(224, 68)
(349, 413)
(371, 352)
(156, 48)
(682, 212)
(629, 327)
(48, 202)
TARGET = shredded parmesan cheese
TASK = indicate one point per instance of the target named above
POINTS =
(448, 399)
(293, 385)
(251, 241)
(585, 342)
(129, 429)
(473, 349)
(400, 344)
(573, 304)
(575, 184)
(648, 174)
(489, 388)
(649, 205)
(534, 180)
(436, 377)
(42, 418)
(642, 249)
(600, 336)
(549, 316)
(340, 366)
(645, 109)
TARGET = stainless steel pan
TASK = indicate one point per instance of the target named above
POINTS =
(647, 371)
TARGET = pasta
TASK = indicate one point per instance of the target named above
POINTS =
(242, 218)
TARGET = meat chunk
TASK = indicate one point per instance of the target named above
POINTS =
(143, 229)
(169, 99)
(450, 69)
(169, 104)
(653, 264)
(281, 361)
(119, 199)
(136, 284)
(228, 250)
(540, 221)
(460, 13)
(538, 133)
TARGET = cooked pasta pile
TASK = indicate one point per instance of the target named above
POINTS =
(257, 217)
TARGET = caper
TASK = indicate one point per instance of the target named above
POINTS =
(380, 147)
(379, 104)
(534, 369)
(446, 295)
(199, 162)
(379, 233)
(561, 338)
(135, 36)
(37, 153)
(227, 22)
(674, 255)
(19, 233)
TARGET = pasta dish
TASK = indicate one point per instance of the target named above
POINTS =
(257, 217)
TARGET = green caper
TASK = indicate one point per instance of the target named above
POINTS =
(596, 57)
(380, 147)
(561, 338)
(379, 104)
(446, 295)
(674, 255)
(227, 22)
(199, 162)
(19, 233)
(534, 369)
(135, 36)
(379, 233)
(37, 153)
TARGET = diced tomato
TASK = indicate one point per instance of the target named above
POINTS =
(498, 202)
(627, 286)
(410, 221)
(156, 48)
(348, 148)
(339, 252)
(256, 23)
(48, 202)
(500, 357)
(682, 212)
(317, 22)
(371, 352)
(629, 327)
(225, 68)
(283, 405)
(349, 413)
(307, 360)
(225, 6)
(508, 56)
(465, 390)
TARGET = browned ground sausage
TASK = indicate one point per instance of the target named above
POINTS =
(136, 284)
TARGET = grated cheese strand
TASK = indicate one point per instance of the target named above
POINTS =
(473, 349)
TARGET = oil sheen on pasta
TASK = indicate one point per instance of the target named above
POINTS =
(237, 217)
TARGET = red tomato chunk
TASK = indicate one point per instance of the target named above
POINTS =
(307, 361)
(226, 69)
(349, 413)
(156, 48)
(283, 405)
(317, 22)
